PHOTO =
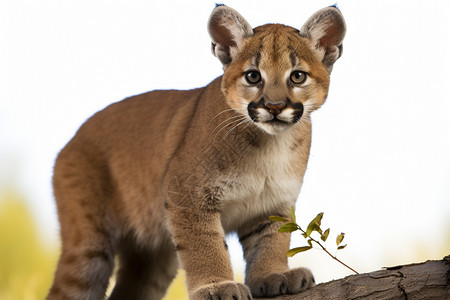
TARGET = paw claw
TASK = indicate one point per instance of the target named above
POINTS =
(289, 282)
(227, 290)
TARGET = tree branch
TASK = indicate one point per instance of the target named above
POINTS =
(427, 280)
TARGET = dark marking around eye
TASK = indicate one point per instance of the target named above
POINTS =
(257, 59)
(293, 58)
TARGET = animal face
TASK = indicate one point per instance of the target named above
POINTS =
(276, 75)
(277, 80)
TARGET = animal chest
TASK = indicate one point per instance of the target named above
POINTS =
(267, 181)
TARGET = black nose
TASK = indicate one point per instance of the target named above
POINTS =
(275, 108)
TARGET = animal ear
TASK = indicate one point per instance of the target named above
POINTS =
(227, 29)
(326, 30)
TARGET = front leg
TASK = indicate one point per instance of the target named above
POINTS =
(203, 253)
(267, 272)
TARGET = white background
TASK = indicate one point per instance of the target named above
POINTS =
(380, 159)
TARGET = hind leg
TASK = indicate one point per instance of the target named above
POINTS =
(82, 273)
(86, 261)
(87, 234)
(144, 273)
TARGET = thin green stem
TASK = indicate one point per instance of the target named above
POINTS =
(325, 249)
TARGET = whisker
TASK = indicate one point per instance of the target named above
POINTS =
(306, 118)
(249, 123)
(234, 116)
(238, 102)
(230, 124)
(302, 123)
(234, 127)
(241, 118)
(224, 111)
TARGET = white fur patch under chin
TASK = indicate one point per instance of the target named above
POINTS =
(267, 184)
(273, 129)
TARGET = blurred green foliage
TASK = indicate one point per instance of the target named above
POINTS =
(26, 265)
(177, 290)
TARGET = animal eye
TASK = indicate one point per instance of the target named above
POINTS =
(253, 77)
(298, 77)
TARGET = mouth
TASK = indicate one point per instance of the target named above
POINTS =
(277, 122)
(274, 126)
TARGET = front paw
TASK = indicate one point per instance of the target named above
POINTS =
(289, 282)
(227, 290)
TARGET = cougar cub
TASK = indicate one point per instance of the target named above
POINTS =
(160, 178)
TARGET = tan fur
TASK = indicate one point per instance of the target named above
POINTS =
(159, 178)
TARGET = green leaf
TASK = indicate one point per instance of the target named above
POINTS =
(314, 225)
(288, 227)
(339, 238)
(318, 219)
(278, 219)
(294, 251)
(309, 242)
(342, 247)
(324, 236)
(304, 235)
(310, 229)
(293, 214)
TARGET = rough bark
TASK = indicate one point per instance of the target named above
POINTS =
(427, 280)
